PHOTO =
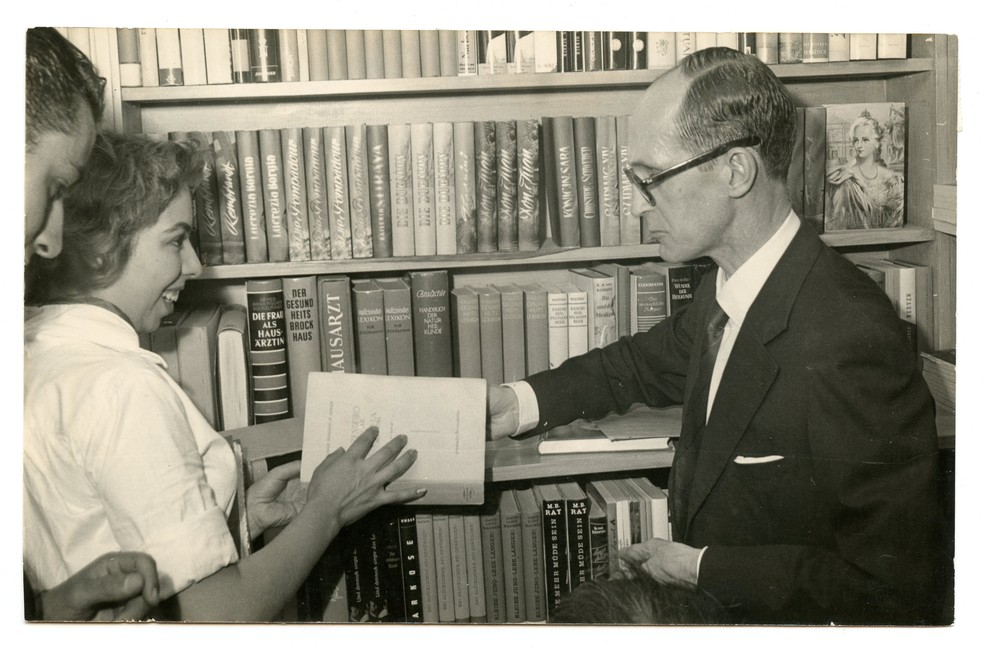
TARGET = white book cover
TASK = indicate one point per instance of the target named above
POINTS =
(443, 419)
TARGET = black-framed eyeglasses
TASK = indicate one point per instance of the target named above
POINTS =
(644, 185)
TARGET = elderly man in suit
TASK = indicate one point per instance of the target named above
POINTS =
(803, 487)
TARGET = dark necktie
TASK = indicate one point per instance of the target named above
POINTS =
(685, 462)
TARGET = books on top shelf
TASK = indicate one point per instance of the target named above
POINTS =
(640, 428)
(442, 418)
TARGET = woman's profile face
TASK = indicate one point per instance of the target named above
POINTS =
(161, 262)
(865, 141)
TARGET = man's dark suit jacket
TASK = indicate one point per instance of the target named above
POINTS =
(842, 523)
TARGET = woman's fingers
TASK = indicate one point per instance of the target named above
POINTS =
(362, 445)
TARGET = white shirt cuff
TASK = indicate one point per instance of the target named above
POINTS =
(700, 556)
(529, 411)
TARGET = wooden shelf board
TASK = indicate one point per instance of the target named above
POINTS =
(486, 84)
(508, 460)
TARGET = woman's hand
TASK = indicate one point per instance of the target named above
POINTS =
(840, 175)
(275, 499)
(350, 485)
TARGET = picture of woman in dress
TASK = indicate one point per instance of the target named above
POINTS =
(863, 190)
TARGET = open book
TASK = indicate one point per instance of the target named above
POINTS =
(640, 428)
(442, 417)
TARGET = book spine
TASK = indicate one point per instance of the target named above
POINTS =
(555, 552)
(428, 567)
(230, 203)
(317, 197)
(606, 148)
(367, 303)
(576, 45)
(578, 547)
(337, 334)
(392, 54)
(430, 53)
(269, 370)
(464, 188)
(422, 153)
(598, 543)
(288, 55)
(380, 210)
(360, 215)
(726, 40)
(794, 178)
(448, 47)
(507, 216)
(564, 62)
(533, 565)
(587, 177)
(148, 57)
(629, 228)
(303, 56)
(545, 51)
(638, 53)
(512, 548)
(207, 212)
(374, 569)
(513, 333)
(603, 309)
(814, 165)
(767, 47)
(568, 194)
(355, 54)
(442, 554)
(337, 54)
(317, 47)
(475, 568)
(303, 335)
(528, 184)
(444, 189)
(578, 338)
(169, 71)
(193, 56)
(466, 336)
(398, 323)
(431, 323)
(494, 564)
(615, 51)
(295, 194)
(490, 325)
(218, 56)
(264, 55)
(410, 564)
(401, 189)
(648, 300)
(337, 192)
(679, 285)
(459, 568)
(410, 53)
(375, 63)
(557, 326)
(467, 52)
(816, 47)
(838, 47)
(354, 548)
(790, 47)
(483, 55)
(537, 329)
(486, 181)
(392, 575)
(239, 55)
(746, 43)
(593, 42)
(254, 217)
(274, 197)
(499, 52)
(862, 46)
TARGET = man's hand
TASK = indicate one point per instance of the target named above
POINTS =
(275, 499)
(124, 584)
(503, 412)
(667, 562)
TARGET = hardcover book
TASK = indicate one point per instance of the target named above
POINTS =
(295, 194)
(606, 150)
(232, 368)
(486, 182)
(355, 54)
(600, 291)
(367, 304)
(661, 50)
(816, 47)
(229, 194)
(445, 212)
(360, 214)
(149, 74)
(337, 54)
(448, 46)
(467, 52)
(269, 371)
(401, 189)
(337, 192)
(865, 184)
(512, 547)
(392, 54)
(380, 210)
(398, 324)
(317, 195)
(424, 225)
(507, 232)
(254, 216)
(490, 324)
(410, 53)
(411, 567)
(629, 224)
(587, 181)
(443, 419)
(193, 56)
(648, 301)
(431, 306)
(556, 574)
(513, 332)
(239, 45)
(303, 335)
(557, 325)
(464, 188)
(289, 55)
(537, 328)
(466, 337)
(274, 197)
(621, 274)
(475, 567)
(424, 522)
(442, 560)
(207, 212)
(430, 54)
(375, 62)
(578, 339)
(169, 71)
(196, 339)
(458, 563)
(317, 46)
(337, 332)
(567, 182)
(578, 539)
(533, 555)
(494, 562)
(264, 55)
(528, 184)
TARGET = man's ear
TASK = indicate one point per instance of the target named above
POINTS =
(743, 167)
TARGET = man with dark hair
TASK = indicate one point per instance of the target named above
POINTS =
(64, 103)
(803, 487)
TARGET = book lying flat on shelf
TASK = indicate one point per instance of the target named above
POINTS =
(443, 419)
(641, 428)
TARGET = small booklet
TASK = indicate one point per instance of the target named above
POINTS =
(640, 428)
(442, 417)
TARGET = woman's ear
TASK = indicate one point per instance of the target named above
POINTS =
(743, 167)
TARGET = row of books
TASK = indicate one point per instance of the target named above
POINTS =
(248, 365)
(835, 185)
(510, 561)
(195, 56)
(909, 287)
(939, 369)
(421, 189)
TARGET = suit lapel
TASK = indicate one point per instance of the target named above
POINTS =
(750, 371)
